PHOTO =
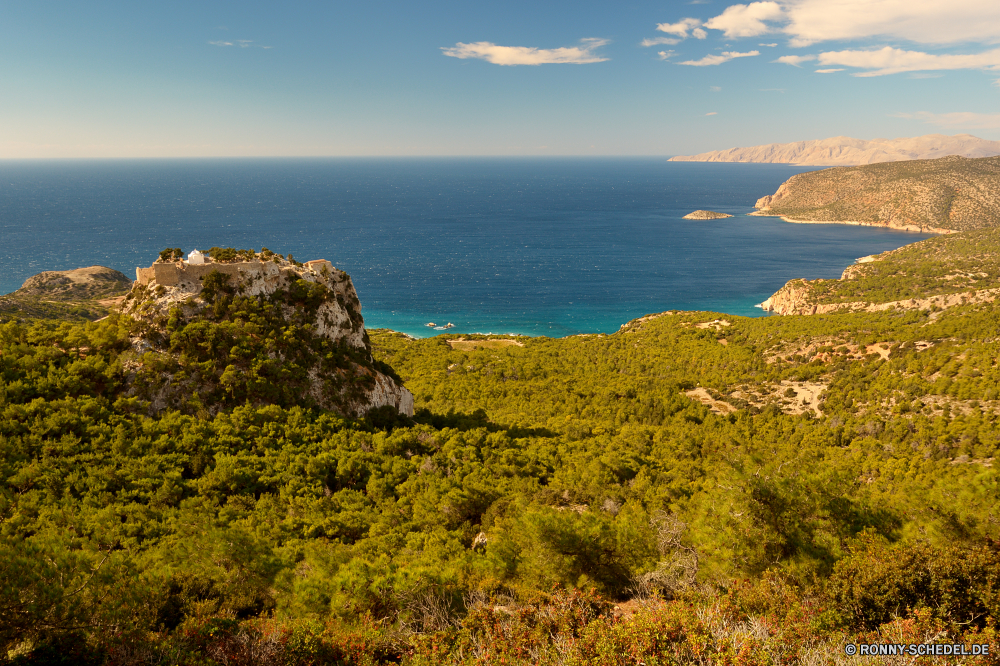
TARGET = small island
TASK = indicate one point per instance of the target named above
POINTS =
(705, 215)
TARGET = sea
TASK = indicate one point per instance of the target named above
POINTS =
(541, 246)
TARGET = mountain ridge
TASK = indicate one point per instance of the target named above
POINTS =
(847, 151)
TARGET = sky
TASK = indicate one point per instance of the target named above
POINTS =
(460, 78)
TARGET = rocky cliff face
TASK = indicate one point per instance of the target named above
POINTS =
(258, 329)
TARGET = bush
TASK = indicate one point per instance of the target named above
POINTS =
(878, 581)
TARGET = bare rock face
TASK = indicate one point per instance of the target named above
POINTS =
(257, 329)
(705, 215)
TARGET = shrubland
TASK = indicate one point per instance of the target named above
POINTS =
(653, 496)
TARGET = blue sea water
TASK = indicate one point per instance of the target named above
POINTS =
(531, 246)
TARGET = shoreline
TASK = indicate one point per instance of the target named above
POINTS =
(909, 228)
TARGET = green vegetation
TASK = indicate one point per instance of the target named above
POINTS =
(557, 502)
(171, 254)
(960, 264)
(76, 295)
(953, 193)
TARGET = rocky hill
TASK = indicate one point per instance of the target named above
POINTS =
(941, 196)
(705, 215)
(253, 327)
(845, 151)
(935, 274)
(81, 293)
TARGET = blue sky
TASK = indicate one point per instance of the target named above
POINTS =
(209, 78)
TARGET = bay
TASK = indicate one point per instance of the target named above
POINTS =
(529, 246)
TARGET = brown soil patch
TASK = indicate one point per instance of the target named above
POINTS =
(462, 344)
(717, 324)
(717, 406)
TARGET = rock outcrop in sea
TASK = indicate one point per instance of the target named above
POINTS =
(257, 328)
(705, 215)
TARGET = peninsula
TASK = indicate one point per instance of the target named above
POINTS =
(937, 196)
(845, 151)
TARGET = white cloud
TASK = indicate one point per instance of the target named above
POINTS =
(528, 55)
(746, 20)
(242, 43)
(956, 120)
(656, 41)
(997, 83)
(769, 45)
(664, 55)
(712, 113)
(808, 22)
(921, 21)
(725, 56)
(891, 60)
(681, 28)
(829, 71)
(715, 88)
(795, 60)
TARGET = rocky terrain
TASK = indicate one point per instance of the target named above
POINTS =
(935, 274)
(81, 293)
(705, 215)
(256, 328)
(845, 151)
(937, 196)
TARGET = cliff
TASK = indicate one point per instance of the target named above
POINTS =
(935, 274)
(258, 329)
(845, 151)
(938, 196)
(81, 293)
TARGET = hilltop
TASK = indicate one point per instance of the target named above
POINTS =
(845, 151)
(81, 293)
(939, 196)
(240, 326)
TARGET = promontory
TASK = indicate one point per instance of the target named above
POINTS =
(937, 196)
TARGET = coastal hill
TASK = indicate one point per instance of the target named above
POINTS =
(240, 326)
(939, 196)
(932, 275)
(694, 488)
(845, 151)
(78, 294)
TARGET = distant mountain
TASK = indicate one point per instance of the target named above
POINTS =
(845, 151)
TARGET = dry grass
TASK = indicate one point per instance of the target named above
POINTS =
(461, 344)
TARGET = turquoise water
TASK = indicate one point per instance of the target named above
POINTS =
(539, 247)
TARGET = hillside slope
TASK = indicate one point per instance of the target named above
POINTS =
(81, 293)
(845, 151)
(934, 274)
(944, 195)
